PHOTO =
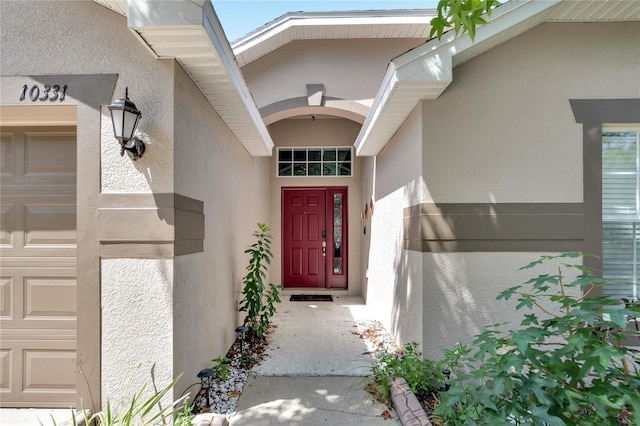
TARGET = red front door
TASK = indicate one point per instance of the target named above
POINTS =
(304, 225)
(313, 237)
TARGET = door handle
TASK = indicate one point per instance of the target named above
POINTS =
(324, 248)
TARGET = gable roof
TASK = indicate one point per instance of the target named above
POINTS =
(189, 32)
(426, 71)
(292, 26)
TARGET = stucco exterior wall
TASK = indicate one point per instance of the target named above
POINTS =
(176, 312)
(306, 133)
(349, 69)
(367, 192)
(137, 327)
(212, 166)
(504, 132)
(84, 38)
(394, 275)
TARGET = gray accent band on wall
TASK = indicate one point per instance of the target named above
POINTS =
(149, 225)
(493, 227)
(553, 227)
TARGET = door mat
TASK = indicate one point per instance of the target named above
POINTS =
(311, 298)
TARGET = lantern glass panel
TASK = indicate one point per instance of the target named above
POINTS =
(117, 119)
(130, 123)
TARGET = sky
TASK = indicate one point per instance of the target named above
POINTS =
(240, 17)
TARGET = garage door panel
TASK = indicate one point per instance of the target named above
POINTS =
(6, 298)
(6, 155)
(7, 226)
(50, 299)
(6, 367)
(50, 224)
(38, 373)
(47, 370)
(50, 153)
(38, 294)
(38, 297)
(38, 225)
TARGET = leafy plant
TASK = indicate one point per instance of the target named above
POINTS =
(422, 375)
(140, 410)
(565, 366)
(185, 416)
(463, 15)
(221, 367)
(258, 301)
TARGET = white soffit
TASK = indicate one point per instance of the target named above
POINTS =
(425, 72)
(119, 6)
(189, 32)
(365, 24)
(596, 11)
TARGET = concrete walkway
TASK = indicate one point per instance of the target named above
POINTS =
(34, 416)
(313, 374)
(315, 370)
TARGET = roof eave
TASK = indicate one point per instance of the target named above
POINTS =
(396, 98)
(293, 26)
(426, 71)
(199, 44)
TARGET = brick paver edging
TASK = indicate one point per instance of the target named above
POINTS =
(406, 404)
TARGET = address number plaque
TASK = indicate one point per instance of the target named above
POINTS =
(47, 93)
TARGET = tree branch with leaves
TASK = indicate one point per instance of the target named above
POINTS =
(461, 15)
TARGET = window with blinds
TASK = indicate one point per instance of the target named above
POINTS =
(621, 211)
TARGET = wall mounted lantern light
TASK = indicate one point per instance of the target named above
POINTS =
(125, 117)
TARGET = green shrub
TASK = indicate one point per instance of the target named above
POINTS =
(257, 301)
(422, 375)
(221, 366)
(563, 367)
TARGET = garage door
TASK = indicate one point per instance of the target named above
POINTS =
(38, 266)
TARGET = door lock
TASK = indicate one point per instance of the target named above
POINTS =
(324, 243)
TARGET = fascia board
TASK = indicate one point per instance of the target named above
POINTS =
(502, 18)
(255, 39)
(389, 83)
(287, 23)
(216, 34)
(161, 13)
(201, 15)
(433, 62)
(370, 141)
(432, 69)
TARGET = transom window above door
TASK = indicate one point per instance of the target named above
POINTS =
(315, 161)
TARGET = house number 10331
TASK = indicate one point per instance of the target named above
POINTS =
(51, 93)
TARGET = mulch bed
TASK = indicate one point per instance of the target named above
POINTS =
(252, 346)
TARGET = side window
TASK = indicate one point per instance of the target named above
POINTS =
(621, 210)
